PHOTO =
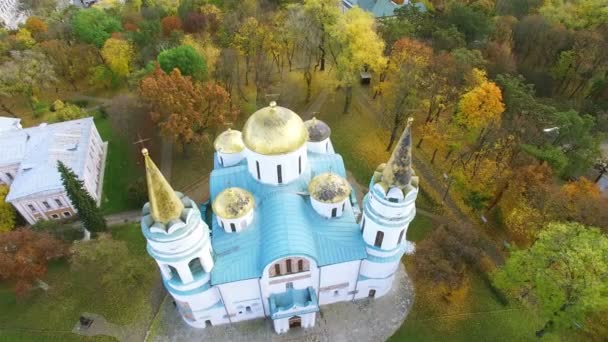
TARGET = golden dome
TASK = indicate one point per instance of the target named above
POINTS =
(317, 130)
(229, 141)
(329, 188)
(274, 130)
(233, 203)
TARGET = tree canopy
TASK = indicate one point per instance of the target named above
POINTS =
(94, 26)
(185, 59)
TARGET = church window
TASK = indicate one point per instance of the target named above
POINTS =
(67, 214)
(195, 266)
(334, 212)
(9, 175)
(46, 204)
(300, 165)
(257, 167)
(233, 227)
(300, 265)
(379, 238)
(288, 265)
(277, 269)
(55, 216)
(327, 146)
(248, 309)
(363, 225)
(31, 208)
(289, 286)
(336, 293)
(221, 161)
(343, 204)
(279, 174)
(393, 199)
(58, 201)
(400, 236)
(174, 273)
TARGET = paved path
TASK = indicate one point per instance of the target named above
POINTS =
(361, 321)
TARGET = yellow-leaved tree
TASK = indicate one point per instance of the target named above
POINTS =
(204, 46)
(118, 54)
(7, 212)
(482, 104)
(356, 47)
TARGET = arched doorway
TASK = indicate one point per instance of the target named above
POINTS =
(295, 321)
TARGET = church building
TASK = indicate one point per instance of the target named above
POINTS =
(286, 234)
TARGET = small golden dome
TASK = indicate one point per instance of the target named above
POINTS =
(317, 130)
(274, 130)
(229, 141)
(233, 203)
(329, 188)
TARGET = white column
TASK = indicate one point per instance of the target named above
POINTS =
(207, 260)
(184, 272)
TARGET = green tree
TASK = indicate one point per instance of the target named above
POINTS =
(186, 59)
(89, 213)
(8, 215)
(563, 275)
(94, 26)
(473, 23)
(67, 111)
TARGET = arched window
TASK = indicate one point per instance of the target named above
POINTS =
(233, 227)
(174, 274)
(400, 236)
(221, 161)
(300, 265)
(277, 269)
(379, 238)
(288, 265)
(334, 212)
(300, 165)
(279, 174)
(195, 266)
(257, 167)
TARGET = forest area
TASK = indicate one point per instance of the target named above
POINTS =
(509, 100)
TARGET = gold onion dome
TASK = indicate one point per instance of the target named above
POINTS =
(329, 188)
(164, 203)
(233, 203)
(274, 130)
(229, 141)
(317, 130)
(398, 171)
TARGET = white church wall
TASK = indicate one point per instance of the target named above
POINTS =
(238, 224)
(378, 269)
(391, 234)
(242, 299)
(390, 209)
(292, 164)
(279, 284)
(326, 209)
(230, 159)
(375, 288)
(323, 146)
(281, 325)
(338, 281)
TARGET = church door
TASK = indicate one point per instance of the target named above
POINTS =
(372, 293)
(295, 321)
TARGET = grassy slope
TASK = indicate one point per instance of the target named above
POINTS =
(121, 170)
(51, 316)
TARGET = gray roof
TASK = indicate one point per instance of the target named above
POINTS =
(38, 149)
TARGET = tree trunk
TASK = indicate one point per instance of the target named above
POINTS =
(322, 56)
(87, 234)
(391, 141)
(497, 198)
(348, 98)
(419, 144)
(433, 157)
(247, 70)
(308, 79)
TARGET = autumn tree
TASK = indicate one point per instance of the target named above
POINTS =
(66, 111)
(8, 216)
(118, 55)
(480, 106)
(94, 26)
(24, 256)
(576, 14)
(36, 26)
(185, 110)
(248, 43)
(562, 276)
(184, 58)
(89, 213)
(355, 47)
(73, 62)
(323, 15)
(170, 24)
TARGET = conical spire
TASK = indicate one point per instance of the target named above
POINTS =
(164, 203)
(398, 170)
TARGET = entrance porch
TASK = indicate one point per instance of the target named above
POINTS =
(293, 309)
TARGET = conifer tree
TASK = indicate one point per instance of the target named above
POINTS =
(85, 204)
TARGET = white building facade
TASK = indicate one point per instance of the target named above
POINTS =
(28, 165)
(284, 237)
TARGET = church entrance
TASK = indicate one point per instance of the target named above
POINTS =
(372, 293)
(295, 321)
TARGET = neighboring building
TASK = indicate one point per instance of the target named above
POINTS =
(286, 231)
(380, 8)
(28, 164)
(10, 14)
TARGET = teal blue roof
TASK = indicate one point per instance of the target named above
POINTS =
(284, 224)
(306, 299)
(380, 8)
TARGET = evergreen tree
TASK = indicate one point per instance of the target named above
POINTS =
(85, 205)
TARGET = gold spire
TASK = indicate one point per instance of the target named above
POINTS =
(164, 203)
(398, 170)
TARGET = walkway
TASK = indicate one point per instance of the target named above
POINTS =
(361, 321)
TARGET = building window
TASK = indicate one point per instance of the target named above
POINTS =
(248, 309)
(363, 225)
(300, 165)
(221, 161)
(300, 265)
(400, 236)
(9, 175)
(67, 214)
(289, 286)
(46, 204)
(393, 199)
(58, 201)
(257, 167)
(195, 266)
(174, 273)
(334, 212)
(336, 293)
(55, 216)
(277, 269)
(343, 204)
(32, 209)
(288, 265)
(233, 227)
(327, 146)
(379, 238)
(279, 174)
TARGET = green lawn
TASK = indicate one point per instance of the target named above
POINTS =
(121, 170)
(420, 228)
(51, 316)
